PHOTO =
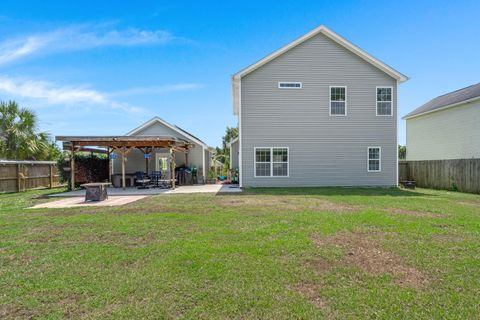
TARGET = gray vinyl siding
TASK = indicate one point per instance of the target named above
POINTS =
(323, 150)
(136, 162)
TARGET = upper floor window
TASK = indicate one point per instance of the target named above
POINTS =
(338, 101)
(271, 162)
(374, 159)
(384, 101)
(290, 85)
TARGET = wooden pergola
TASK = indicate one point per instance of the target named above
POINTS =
(124, 145)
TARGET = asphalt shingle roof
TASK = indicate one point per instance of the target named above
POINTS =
(454, 97)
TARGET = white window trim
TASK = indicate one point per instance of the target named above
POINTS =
(271, 162)
(330, 101)
(379, 159)
(376, 102)
(296, 82)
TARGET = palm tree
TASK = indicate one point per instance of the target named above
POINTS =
(18, 137)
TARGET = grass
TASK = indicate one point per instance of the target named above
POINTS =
(265, 254)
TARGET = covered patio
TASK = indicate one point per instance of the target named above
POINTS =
(124, 145)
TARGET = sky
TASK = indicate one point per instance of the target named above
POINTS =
(105, 67)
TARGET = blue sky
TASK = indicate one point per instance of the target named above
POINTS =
(98, 67)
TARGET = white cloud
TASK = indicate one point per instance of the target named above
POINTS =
(51, 94)
(79, 37)
(157, 90)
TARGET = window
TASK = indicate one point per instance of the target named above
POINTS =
(263, 162)
(374, 159)
(290, 85)
(384, 101)
(271, 162)
(338, 101)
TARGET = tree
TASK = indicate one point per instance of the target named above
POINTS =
(402, 152)
(223, 154)
(19, 139)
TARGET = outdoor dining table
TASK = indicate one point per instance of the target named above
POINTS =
(96, 191)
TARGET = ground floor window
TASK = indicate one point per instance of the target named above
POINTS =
(374, 159)
(271, 162)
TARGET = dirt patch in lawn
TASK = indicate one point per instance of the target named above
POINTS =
(422, 214)
(14, 312)
(310, 291)
(363, 250)
(284, 203)
(471, 203)
(137, 210)
(449, 238)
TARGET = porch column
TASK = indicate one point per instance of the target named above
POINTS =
(186, 159)
(72, 168)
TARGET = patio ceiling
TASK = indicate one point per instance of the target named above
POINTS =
(126, 141)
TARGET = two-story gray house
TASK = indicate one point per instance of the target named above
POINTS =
(318, 112)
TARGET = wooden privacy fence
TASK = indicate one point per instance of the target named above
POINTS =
(457, 174)
(16, 176)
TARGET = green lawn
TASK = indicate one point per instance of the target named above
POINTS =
(265, 254)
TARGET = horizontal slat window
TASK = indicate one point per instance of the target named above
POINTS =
(290, 85)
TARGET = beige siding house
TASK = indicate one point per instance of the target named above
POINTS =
(198, 156)
(318, 112)
(447, 127)
(233, 145)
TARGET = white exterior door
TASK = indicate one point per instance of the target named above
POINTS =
(162, 162)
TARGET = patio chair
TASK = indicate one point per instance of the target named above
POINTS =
(164, 180)
(141, 180)
(156, 176)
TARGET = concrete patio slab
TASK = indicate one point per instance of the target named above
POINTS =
(201, 188)
(72, 202)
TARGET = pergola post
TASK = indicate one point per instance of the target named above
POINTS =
(186, 159)
(72, 168)
(123, 168)
(124, 151)
(109, 152)
(172, 167)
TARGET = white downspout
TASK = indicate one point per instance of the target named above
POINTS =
(240, 151)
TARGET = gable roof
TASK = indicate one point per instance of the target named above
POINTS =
(168, 125)
(319, 30)
(452, 99)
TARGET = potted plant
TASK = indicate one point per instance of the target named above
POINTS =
(211, 176)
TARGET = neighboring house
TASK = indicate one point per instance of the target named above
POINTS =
(198, 156)
(318, 112)
(447, 127)
(233, 146)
